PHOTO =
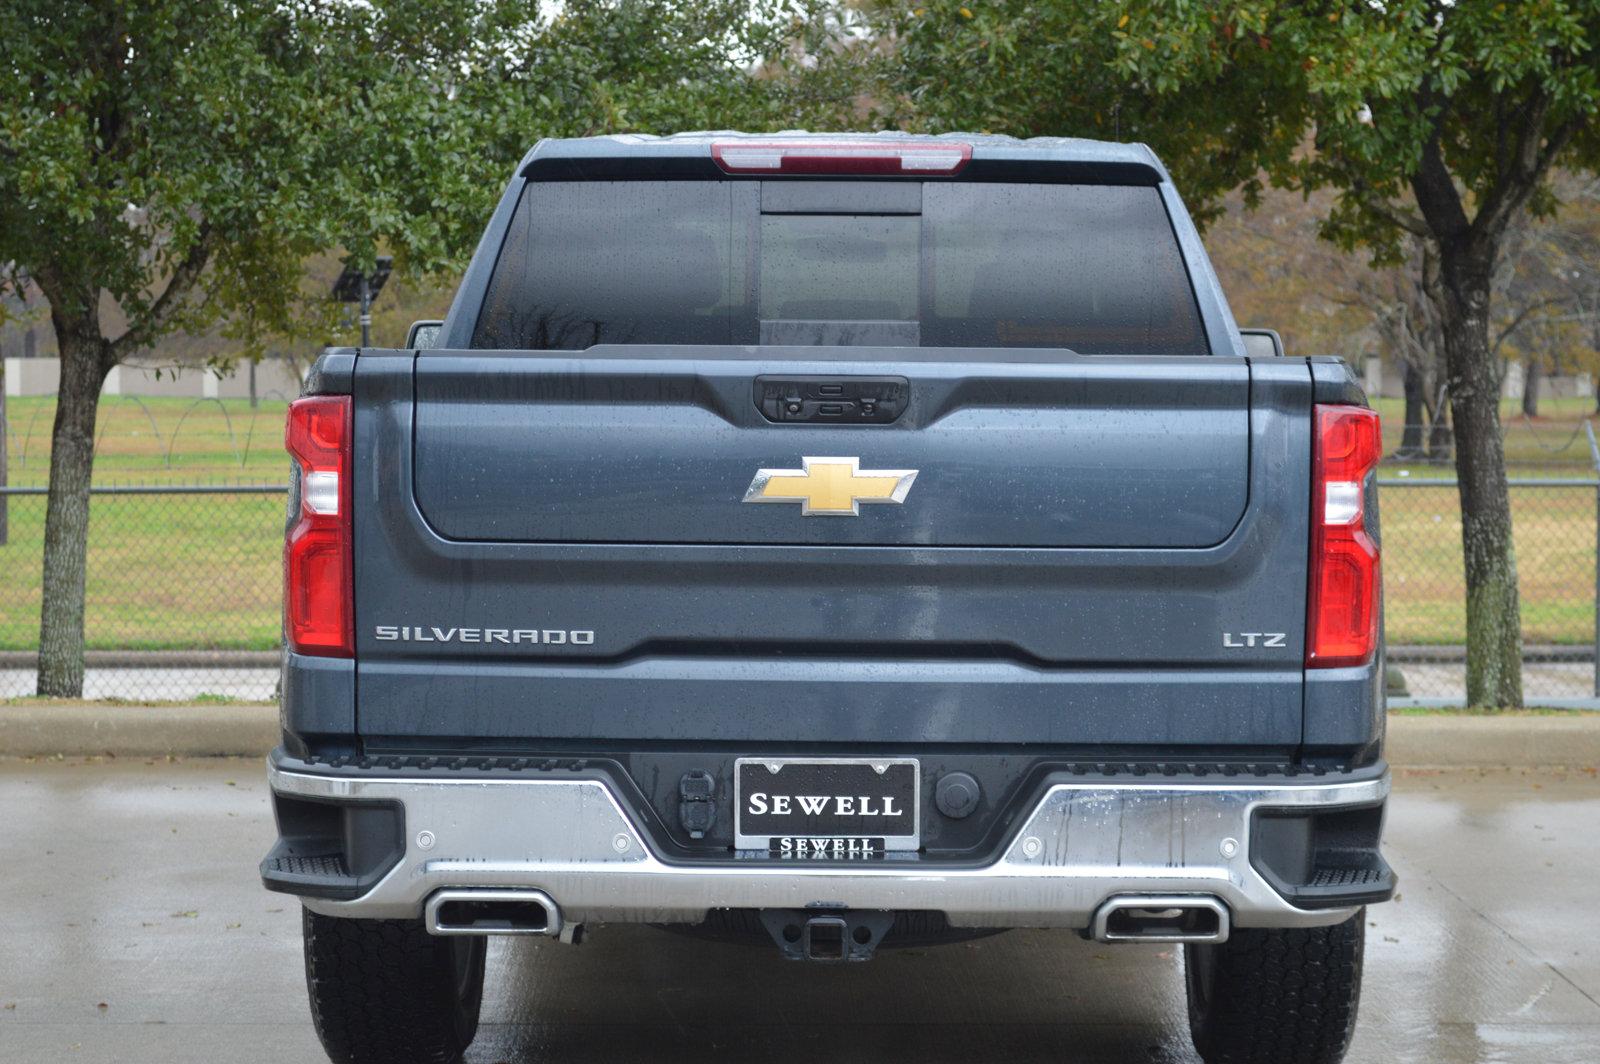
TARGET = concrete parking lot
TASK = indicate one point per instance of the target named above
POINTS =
(133, 929)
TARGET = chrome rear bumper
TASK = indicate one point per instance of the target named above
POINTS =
(1082, 844)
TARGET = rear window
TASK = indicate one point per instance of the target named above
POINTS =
(1092, 268)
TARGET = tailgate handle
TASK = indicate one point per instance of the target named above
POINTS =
(831, 400)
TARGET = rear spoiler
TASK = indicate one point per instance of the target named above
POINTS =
(693, 160)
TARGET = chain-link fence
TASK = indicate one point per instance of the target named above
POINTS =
(1551, 463)
(184, 588)
(1553, 521)
(182, 601)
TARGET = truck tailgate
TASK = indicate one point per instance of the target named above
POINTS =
(1082, 453)
(555, 548)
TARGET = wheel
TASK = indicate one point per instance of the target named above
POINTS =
(387, 992)
(1276, 997)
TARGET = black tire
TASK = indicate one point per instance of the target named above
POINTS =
(387, 992)
(1276, 997)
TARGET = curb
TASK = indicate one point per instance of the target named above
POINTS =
(1432, 741)
(138, 731)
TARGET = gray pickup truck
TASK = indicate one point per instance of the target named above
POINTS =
(838, 542)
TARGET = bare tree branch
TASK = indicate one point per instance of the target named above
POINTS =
(1527, 170)
(1519, 320)
(1396, 216)
(150, 324)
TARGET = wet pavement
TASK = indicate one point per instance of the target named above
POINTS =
(133, 929)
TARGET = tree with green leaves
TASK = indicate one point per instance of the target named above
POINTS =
(181, 159)
(1436, 120)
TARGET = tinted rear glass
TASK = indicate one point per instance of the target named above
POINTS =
(1092, 268)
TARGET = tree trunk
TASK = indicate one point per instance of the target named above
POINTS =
(1494, 630)
(66, 523)
(1532, 374)
(1411, 432)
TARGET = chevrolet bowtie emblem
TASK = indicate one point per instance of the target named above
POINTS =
(830, 487)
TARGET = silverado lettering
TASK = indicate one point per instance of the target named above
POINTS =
(508, 636)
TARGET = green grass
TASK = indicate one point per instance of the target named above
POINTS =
(1551, 445)
(166, 572)
(1554, 530)
(158, 441)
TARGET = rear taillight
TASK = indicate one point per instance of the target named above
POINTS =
(840, 157)
(1342, 612)
(317, 610)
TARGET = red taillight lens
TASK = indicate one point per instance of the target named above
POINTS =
(317, 611)
(840, 157)
(1342, 611)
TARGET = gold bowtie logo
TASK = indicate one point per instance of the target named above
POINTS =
(830, 487)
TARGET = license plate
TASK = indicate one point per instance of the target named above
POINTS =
(826, 808)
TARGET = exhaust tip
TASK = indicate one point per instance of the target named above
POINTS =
(1161, 918)
(492, 912)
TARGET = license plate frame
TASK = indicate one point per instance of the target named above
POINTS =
(756, 836)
